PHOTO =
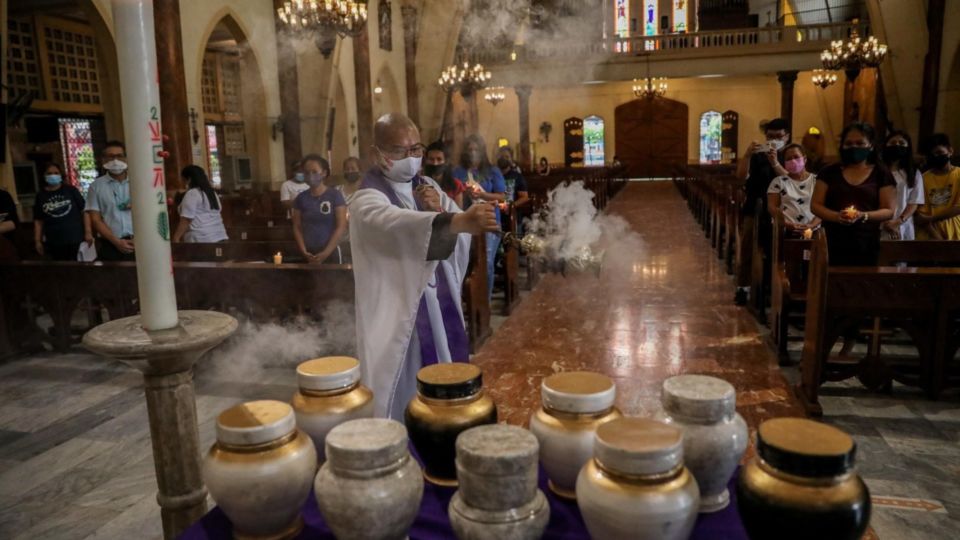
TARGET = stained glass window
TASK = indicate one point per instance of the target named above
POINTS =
(593, 141)
(621, 18)
(679, 15)
(77, 144)
(213, 152)
(650, 18)
(710, 123)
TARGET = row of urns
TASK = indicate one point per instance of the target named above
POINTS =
(632, 478)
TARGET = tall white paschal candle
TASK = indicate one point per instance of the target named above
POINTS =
(140, 94)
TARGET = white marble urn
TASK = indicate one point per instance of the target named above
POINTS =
(574, 404)
(260, 469)
(636, 487)
(714, 435)
(370, 487)
(498, 497)
(329, 394)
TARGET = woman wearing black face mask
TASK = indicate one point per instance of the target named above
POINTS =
(853, 198)
(939, 218)
(898, 157)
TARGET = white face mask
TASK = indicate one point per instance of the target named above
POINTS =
(777, 144)
(403, 170)
(115, 166)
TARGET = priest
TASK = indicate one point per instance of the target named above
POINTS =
(410, 245)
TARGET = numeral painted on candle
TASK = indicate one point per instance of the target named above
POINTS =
(160, 198)
(157, 177)
(157, 156)
(153, 113)
(155, 135)
(163, 225)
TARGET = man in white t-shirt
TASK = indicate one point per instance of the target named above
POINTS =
(294, 186)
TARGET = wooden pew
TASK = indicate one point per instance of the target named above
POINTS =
(255, 290)
(790, 265)
(260, 234)
(923, 301)
(760, 269)
(476, 301)
(511, 265)
(788, 284)
(251, 251)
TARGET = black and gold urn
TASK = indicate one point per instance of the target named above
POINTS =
(802, 484)
(450, 399)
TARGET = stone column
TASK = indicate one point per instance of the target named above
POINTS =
(409, 12)
(523, 100)
(787, 80)
(361, 69)
(289, 98)
(174, 118)
(931, 68)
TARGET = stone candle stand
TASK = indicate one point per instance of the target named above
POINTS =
(166, 359)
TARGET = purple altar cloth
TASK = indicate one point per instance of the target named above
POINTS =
(433, 524)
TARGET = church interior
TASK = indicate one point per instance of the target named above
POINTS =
(703, 251)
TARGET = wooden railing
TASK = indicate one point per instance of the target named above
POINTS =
(788, 37)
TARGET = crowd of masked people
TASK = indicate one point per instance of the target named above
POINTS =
(882, 188)
(66, 220)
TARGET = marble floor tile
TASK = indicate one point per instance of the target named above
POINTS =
(140, 521)
(125, 488)
(7, 464)
(50, 464)
(910, 525)
(75, 422)
(66, 523)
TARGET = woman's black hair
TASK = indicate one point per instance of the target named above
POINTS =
(803, 151)
(907, 162)
(197, 178)
(447, 182)
(324, 164)
(56, 166)
(465, 156)
(869, 133)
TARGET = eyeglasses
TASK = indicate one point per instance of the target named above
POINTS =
(401, 152)
(114, 156)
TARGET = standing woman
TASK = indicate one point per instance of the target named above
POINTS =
(484, 183)
(319, 214)
(789, 195)
(853, 198)
(200, 220)
(58, 227)
(898, 157)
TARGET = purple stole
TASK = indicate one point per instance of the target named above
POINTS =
(452, 322)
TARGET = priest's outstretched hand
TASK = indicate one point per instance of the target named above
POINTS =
(428, 198)
(479, 218)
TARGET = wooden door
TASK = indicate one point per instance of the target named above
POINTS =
(651, 136)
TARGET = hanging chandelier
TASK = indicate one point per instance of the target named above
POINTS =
(464, 78)
(854, 54)
(320, 16)
(495, 95)
(650, 88)
(823, 78)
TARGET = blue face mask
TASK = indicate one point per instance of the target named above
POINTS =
(53, 179)
(299, 177)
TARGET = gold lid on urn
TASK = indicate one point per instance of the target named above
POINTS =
(255, 423)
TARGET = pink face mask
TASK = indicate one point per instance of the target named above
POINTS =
(795, 165)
